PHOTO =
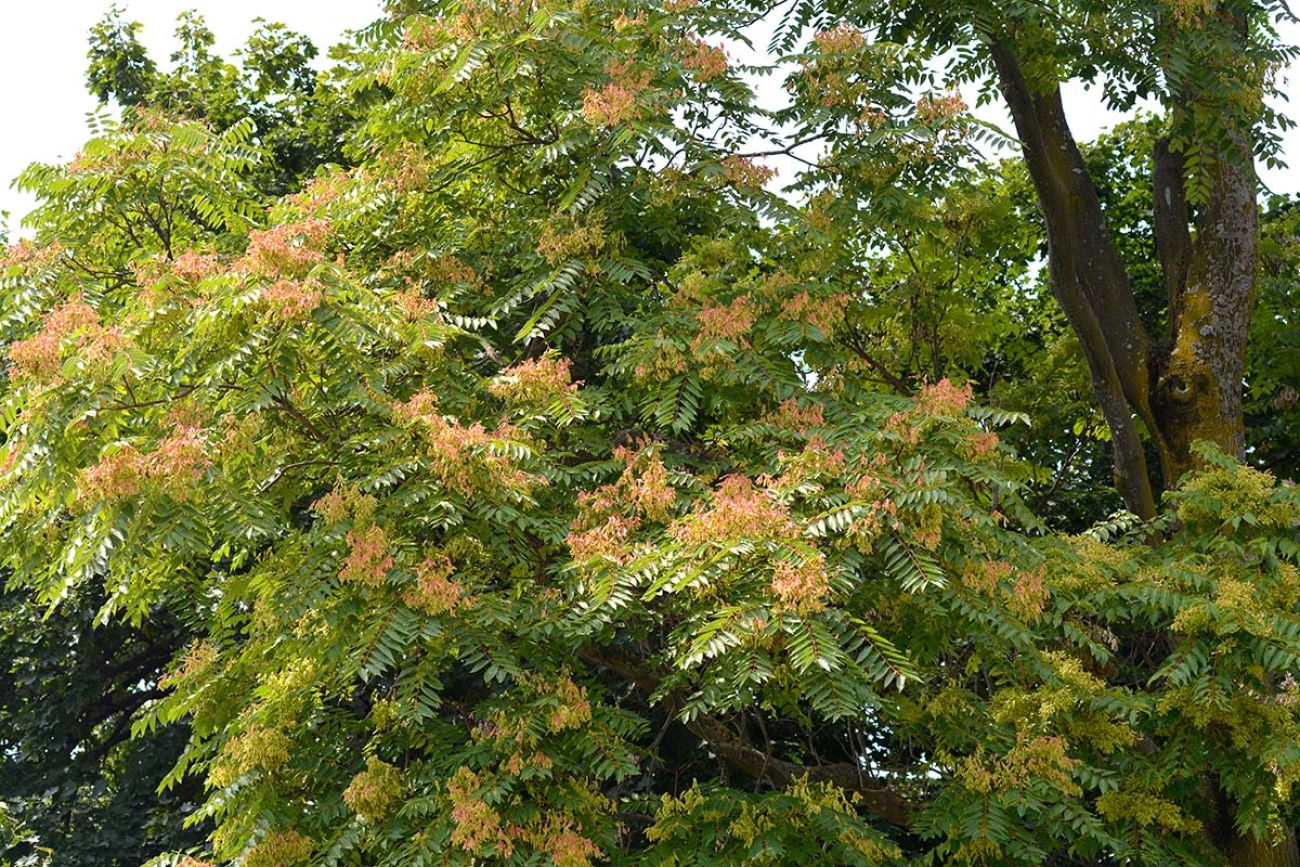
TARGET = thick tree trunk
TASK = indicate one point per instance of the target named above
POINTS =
(1198, 384)
(1249, 852)
(1187, 387)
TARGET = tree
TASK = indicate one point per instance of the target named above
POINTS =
(543, 495)
(301, 118)
(72, 681)
(1209, 67)
(120, 66)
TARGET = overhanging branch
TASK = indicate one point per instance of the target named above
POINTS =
(876, 797)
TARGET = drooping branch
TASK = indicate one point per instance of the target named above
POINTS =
(880, 800)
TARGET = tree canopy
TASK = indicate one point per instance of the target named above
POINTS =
(476, 453)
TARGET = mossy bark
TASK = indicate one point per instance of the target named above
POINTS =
(1186, 386)
(1197, 389)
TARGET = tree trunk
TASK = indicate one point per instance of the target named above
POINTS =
(1249, 852)
(1197, 388)
(1243, 850)
(1187, 387)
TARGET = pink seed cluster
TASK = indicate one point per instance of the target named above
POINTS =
(369, 557)
(177, 462)
(706, 61)
(615, 102)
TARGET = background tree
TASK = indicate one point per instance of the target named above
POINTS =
(301, 117)
(82, 788)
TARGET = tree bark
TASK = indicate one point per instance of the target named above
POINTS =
(1087, 276)
(1249, 852)
(1187, 387)
(1244, 850)
(1198, 383)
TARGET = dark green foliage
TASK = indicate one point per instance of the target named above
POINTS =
(70, 772)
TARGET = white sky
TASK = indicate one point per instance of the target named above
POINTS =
(43, 62)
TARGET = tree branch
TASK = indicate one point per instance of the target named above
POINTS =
(1170, 222)
(1088, 278)
(881, 800)
(853, 341)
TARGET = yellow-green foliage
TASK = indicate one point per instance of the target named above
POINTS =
(535, 499)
